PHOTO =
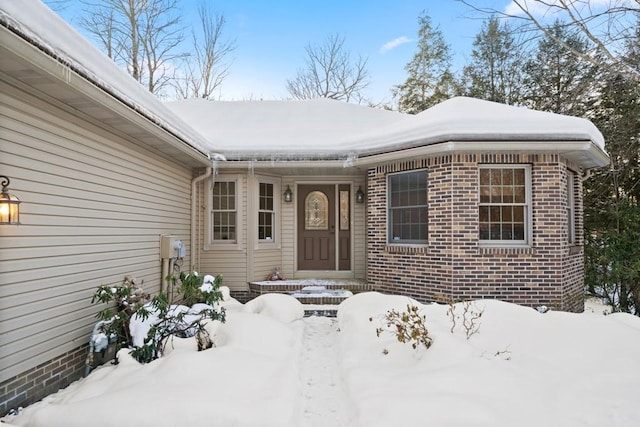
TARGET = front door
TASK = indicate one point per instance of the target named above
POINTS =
(324, 235)
(316, 227)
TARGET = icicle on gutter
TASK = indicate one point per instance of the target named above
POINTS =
(350, 161)
(215, 159)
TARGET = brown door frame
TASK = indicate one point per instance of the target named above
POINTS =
(340, 266)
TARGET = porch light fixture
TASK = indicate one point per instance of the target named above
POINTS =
(288, 195)
(359, 195)
(9, 205)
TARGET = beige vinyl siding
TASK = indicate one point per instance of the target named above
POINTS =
(288, 231)
(93, 208)
(360, 233)
(264, 260)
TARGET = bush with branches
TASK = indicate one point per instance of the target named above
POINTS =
(408, 326)
(166, 319)
(468, 319)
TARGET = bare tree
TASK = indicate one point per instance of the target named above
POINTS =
(205, 69)
(608, 26)
(142, 35)
(330, 72)
(57, 5)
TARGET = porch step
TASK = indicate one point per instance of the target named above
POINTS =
(291, 286)
(320, 297)
(323, 310)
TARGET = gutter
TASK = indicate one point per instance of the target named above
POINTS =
(585, 152)
(195, 251)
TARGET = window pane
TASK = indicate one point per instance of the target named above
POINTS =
(507, 177)
(484, 194)
(316, 207)
(507, 231)
(507, 213)
(518, 214)
(484, 214)
(231, 195)
(485, 175)
(495, 231)
(223, 207)
(408, 200)
(502, 203)
(519, 194)
(518, 232)
(265, 226)
(484, 231)
(496, 176)
(266, 196)
(496, 194)
(224, 226)
(344, 210)
(494, 214)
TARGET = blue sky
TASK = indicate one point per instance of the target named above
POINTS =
(271, 37)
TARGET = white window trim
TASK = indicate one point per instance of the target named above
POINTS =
(571, 207)
(277, 199)
(211, 244)
(528, 229)
(412, 243)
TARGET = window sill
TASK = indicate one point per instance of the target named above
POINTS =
(405, 249)
(507, 250)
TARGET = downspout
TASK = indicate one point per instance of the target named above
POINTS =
(195, 259)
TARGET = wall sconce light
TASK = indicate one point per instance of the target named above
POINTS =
(9, 205)
(359, 195)
(288, 195)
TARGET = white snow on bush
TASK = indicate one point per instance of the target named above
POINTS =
(139, 327)
(522, 368)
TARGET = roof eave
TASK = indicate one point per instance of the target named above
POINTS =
(40, 58)
(584, 152)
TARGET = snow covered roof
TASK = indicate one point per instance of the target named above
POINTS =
(470, 119)
(312, 129)
(35, 22)
(332, 129)
(315, 127)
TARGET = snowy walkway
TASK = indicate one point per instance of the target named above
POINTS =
(324, 399)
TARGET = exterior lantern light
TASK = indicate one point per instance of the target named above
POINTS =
(359, 195)
(288, 195)
(9, 205)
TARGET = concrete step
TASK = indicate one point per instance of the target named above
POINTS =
(296, 286)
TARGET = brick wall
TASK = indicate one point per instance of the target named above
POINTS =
(423, 272)
(452, 265)
(573, 266)
(44, 379)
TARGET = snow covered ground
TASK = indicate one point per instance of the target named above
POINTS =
(270, 367)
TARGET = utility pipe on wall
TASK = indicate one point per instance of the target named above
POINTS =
(165, 273)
